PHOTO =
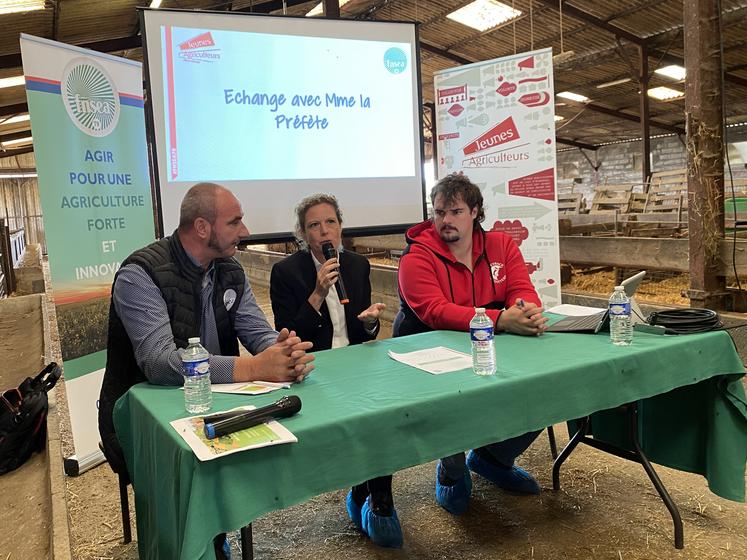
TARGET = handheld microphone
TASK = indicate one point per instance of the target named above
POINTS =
(283, 408)
(330, 253)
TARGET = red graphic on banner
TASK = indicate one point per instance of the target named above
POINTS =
(506, 89)
(514, 228)
(449, 136)
(548, 141)
(452, 95)
(532, 268)
(198, 42)
(525, 80)
(527, 63)
(551, 281)
(535, 99)
(501, 133)
(455, 110)
(537, 185)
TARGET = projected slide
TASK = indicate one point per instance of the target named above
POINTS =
(276, 108)
(249, 105)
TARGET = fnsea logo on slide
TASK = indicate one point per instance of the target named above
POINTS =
(90, 98)
(395, 60)
(198, 49)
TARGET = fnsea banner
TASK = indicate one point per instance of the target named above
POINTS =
(496, 124)
(88, 127)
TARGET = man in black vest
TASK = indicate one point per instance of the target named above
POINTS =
(188, 285)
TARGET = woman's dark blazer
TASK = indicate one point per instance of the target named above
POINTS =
(294, 278)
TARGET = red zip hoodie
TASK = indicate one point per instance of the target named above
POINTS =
(443, 293)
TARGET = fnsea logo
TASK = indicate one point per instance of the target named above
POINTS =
(198, 49)
(90, 98)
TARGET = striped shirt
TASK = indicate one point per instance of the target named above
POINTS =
(143, 312)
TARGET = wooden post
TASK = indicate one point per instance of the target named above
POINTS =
(705, 152)
(643, 80)
(331, 8)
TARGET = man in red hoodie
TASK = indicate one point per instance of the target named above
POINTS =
(451, 266)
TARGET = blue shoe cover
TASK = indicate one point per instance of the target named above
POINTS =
(354, 511)
(382, 530)
(454, 498)
(514, 479)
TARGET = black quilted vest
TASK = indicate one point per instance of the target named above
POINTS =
(180, 283)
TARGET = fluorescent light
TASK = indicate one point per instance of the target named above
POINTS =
(613, 83)
(559, 118)
(318, 10)
(484, 14)
(665, 94)
(573, 96)
(674, 71)
(17, 175)
(13, 6)
(7, 143)
(155, 4)
(16, 119)
(12, 81)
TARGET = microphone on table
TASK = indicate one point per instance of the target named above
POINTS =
(283, 408)
(330, 253)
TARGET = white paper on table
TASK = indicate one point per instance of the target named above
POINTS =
(192, 430)
(436, 360)
(570, 310)
(248, 387)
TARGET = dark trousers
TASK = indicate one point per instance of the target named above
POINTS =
(504, 452)
(379, 488)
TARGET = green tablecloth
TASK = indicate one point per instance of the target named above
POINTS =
(365, 415)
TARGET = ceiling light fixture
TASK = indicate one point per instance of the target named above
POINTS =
(484, 14)
(573, 96)
(155, 4)
(674, 71)
(9, 143)
(613, 83)
(17, 175)
(16, 119)
(559, 118)
(665, 94)
(13, 81)
(15, 6)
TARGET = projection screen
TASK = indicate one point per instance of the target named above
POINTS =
(276, 108)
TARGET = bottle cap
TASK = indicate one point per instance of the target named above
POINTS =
(479, 310)
(194, 340)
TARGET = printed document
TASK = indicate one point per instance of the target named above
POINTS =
(192, 430)
(251, 388)
(436, 360)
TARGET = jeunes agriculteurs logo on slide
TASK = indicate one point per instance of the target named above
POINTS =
(200, 48)
(90, 98)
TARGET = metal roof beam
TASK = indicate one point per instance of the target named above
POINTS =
(595, 21)
(575, 144)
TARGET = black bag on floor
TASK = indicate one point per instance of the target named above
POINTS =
(23, 418)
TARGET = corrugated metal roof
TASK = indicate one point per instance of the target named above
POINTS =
(593, 56)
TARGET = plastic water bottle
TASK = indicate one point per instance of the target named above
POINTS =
(621, 326)
(197, 395)
(483, 351)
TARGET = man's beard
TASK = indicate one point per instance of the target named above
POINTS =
(213, 244)
(449, 236)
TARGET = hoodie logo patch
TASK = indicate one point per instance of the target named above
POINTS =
(496, 271)
(229, 297)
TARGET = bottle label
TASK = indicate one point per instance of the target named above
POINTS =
(620, 309)
(481, 334)
(199, 367)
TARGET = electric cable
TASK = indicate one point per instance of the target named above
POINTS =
(686, 321)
